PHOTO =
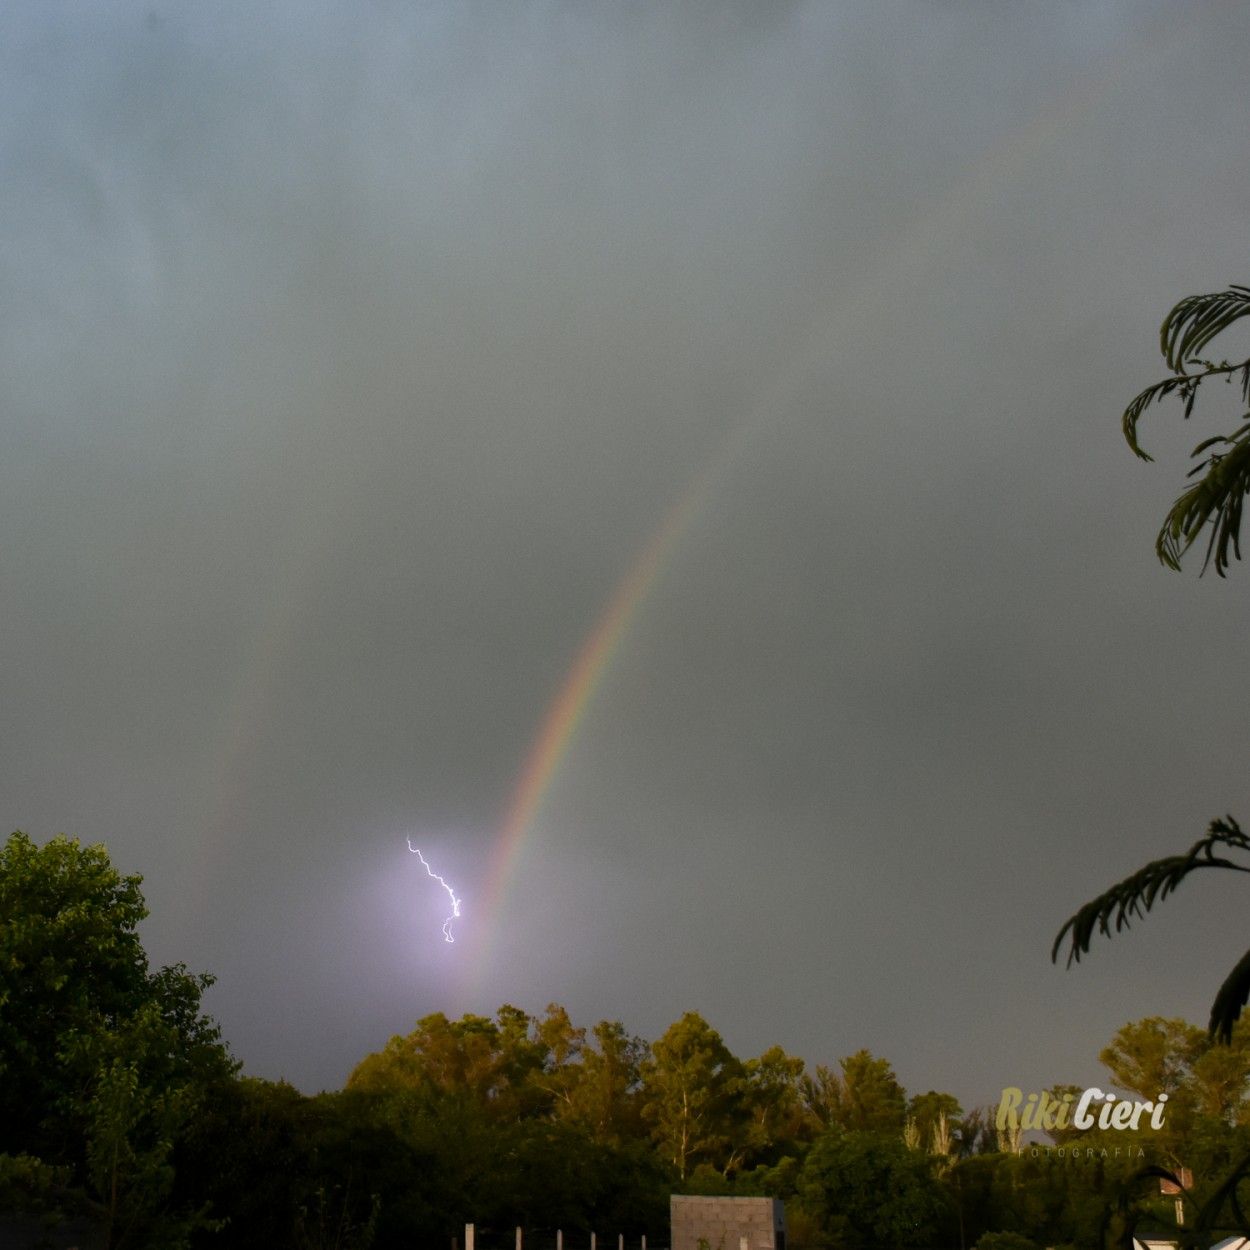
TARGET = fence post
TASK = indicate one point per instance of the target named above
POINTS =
(559, 1239)
(518, 1237)
(592, 1241)
(468, 1237)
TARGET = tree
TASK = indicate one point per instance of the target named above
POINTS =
(71, 964)
(1216, 498)
(691, 1088)
(74, 978)
(102, 1062)
(866, 1097)
(1222, 1077)
(1153, 1057)
(561, 1071)
(773, 1103)
(1172, 1057)
(492, 1063)
(1062, 1134)
(868, 1190)
(608, 1096)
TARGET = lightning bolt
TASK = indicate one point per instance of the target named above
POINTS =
(455, 902)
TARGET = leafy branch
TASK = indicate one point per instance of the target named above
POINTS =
(1216, 498)
(1136, 895)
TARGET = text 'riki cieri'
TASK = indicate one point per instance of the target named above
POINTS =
(1093, 1108)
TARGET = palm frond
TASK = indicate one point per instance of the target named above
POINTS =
(1231, 998)
(1198, 319)
(1216, 498)
(1136, 895)
(1152, 394)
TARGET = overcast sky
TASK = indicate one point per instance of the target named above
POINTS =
(354, 356)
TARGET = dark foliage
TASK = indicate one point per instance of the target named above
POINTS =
(1216, 497)
(1135, 895)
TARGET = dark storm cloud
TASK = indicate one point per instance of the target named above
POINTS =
(354, 353)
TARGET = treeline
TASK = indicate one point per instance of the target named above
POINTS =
(119, 1102)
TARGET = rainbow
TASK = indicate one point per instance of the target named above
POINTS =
(567, 709)
(888, 280)
(890, 277)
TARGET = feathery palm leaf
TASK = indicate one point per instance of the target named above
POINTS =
(1135, 895)
(1198, 319)
(1230, 1000)
(1216, 499)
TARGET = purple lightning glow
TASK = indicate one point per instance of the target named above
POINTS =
(455, 902)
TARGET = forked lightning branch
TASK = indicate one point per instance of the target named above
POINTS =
(455, 902)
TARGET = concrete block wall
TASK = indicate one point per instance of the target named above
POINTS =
(723, 1222)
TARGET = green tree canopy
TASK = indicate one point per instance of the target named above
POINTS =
(1201, 1079)
(935, 1123)
(607, 1096)
(486, 1061)
(691, 1094)
(867, 1190)
(865, 1097)
(74, 977)
(71, 967)
(774, 1106)
(102, 1061)
(1154, 1056)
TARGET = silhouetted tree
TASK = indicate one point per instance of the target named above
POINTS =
(1215, 499)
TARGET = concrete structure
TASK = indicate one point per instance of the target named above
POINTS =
(727, 1223)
